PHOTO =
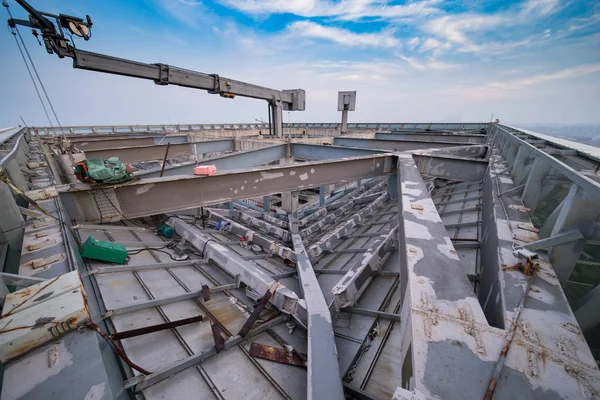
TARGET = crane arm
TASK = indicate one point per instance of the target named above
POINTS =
(162, 74)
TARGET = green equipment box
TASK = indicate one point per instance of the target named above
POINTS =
(103, 251)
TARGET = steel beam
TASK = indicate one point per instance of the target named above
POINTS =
(475, 151)
(284, 299)
(159, 195)
(238, 160)
(123, 268)
(580, 211)
(19, 280)
(142, 305)
(457, 138)
(323, 375)
(327, 241)
(264, 226)
(304, 151)
(372, 313)
(581, 180)
(452, 168)
(157, 151)
(559, 239)
(392, 145)
(97, 144)
(586, 311)
(269, 245)
(347, 291)
(141, 382)
(342, 206)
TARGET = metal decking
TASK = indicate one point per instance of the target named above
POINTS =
(414, 254)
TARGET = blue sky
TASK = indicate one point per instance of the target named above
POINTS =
(527, 61)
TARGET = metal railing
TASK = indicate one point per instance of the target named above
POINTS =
(86, 130)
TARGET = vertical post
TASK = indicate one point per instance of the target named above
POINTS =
(393, 186)
(322, 192)
(533, 187)
(519, 164)
(277, 119)
(344, 129)
(270, 126)
(162, 168)
(267, 203)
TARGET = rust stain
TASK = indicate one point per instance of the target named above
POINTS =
(275, 354)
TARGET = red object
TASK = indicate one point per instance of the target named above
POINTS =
(205, 170)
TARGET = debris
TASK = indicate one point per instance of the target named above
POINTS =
(218, 337)
(42, 262)
(256, 313)
(275, 354)
(155, 328)
(205, 292)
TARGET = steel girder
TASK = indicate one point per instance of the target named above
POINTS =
(323, 375)
(159, 195)
(284, 299)
(158, 151)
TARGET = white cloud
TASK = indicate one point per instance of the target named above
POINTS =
(429, 65)
(494, 47)
(342, 36)
(539, 7)
(349, 9)
(572, 72)
(413, 43)
(454, 29)
(430, 44)
(457, 29)
(501, 89)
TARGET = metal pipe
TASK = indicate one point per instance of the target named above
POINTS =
(162, 168)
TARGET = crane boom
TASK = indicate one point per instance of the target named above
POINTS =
(162, 74)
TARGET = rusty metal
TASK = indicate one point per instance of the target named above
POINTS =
(155, 328)
(206, 292)
(285, 344)
(10, 312)
(276, 354)
(218, 337)
(162, 168)
(257, 310)
(117, 348)
(510, 335)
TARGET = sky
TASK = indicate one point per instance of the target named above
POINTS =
(525, 61)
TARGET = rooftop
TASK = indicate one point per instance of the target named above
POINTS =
(392, 261)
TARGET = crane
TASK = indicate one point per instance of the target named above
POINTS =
(52, 29)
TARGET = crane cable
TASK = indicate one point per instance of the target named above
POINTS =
(16, 28)
(31, 76)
